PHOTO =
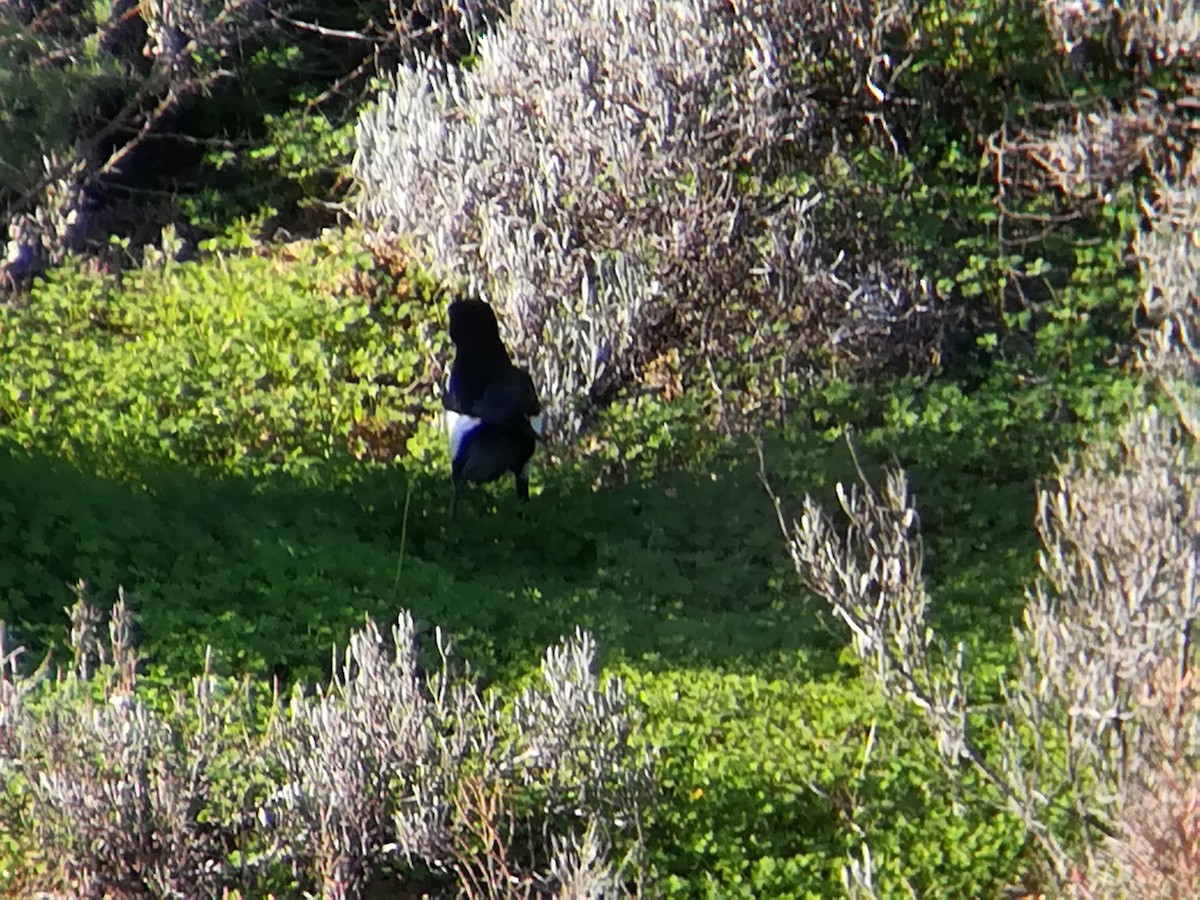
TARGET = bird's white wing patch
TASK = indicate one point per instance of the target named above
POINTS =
(458, 426)
(539, 425)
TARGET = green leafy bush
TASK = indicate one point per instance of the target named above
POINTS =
(245, 360)
(771, 781)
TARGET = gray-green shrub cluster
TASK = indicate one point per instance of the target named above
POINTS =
(1097, 738)
(104, 794)
(1169, 254)
(388, 772)
(1099, 719)
(607, 174)
(1162, 30)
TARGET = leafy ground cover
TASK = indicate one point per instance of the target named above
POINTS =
(775, 756)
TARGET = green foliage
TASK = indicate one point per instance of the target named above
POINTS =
(975, 72)
(972, 43)
(301, 161)
(309, 148)
(242, 361)
(217, 560)
(771, 782)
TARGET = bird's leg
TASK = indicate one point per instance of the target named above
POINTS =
(458, 479)
(458, 484)
(522, 484)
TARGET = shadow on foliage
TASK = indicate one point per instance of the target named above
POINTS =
(680, 569)
(271, 571)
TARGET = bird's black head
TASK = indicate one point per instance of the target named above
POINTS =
(473, 324)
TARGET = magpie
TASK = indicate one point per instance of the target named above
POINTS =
(493, 415)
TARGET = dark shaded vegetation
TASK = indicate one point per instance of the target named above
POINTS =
(120, 119)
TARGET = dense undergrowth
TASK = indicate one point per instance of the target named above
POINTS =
(775, 757)
(246, 446)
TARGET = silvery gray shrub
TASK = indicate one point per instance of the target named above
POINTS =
(584, 177)
(1101, 718)
(387, 767)
(1165, 30)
